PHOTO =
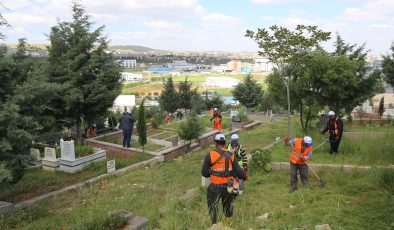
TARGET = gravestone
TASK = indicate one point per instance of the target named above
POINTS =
(174, 141)
(35, 153)
(111, 166)
(50, 154)
(67, 150)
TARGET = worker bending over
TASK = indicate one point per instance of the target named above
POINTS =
(301, 151)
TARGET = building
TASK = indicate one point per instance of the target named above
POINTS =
(262, 64)
(221, 82)
(388, 101)
(222, 68)
(132, 77)
(234, 65)
(128, 63)
(123, 102)
(180, 66)
(159, 70)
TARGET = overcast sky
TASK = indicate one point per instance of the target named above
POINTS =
(199, 25)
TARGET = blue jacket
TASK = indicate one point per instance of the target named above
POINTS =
(126, 122)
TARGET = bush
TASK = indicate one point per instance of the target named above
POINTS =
(242, 114)
(261, 159)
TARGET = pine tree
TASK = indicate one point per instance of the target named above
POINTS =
(141, 126)
(191, 128)
(79, 63)
(381, 107)
(186, 94)
(248, 93)
(169, 98)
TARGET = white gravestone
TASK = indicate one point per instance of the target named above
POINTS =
(67, 150)
(50, 154)
(111, 166)
(35, 153)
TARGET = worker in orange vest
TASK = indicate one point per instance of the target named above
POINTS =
(211, 111)
(335, 129)
(217, 120)
(168, 118)
(221, 167)
(301, 151)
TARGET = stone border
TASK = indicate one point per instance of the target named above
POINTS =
(8, 207)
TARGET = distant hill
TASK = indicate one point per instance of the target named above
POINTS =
(132, 48)
(41, 46)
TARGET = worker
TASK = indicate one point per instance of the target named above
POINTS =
(217, 120)
(335, 128)
(211, 111)
(168, 118)
(300, 153)
(240, 155)
(221, 167)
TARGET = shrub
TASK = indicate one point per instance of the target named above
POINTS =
(242, 114)
(261, 159)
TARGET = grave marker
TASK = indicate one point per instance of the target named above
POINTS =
(50, 154)
(67, 150)
(111, 166)
(35, 153)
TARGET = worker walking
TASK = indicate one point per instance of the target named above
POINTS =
(221, 167)
(240, 156)
(335, 128)
(168, 119)
(301, 151)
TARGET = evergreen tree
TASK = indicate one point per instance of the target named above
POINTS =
(191, 128)
(141, 126)
(186, 94)
(388, 66)
(248, 93)
(88, 75)
(169, 98)
(381, 107)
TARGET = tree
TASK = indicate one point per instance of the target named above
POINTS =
(169, 98)
(381, 107)
(248, 93)
(190, 129)
(186, 94)
(388, 66)
(141, 126)
(89, 77)
(288, 50)
(3, 22)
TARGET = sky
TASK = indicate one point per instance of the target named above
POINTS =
(202, 25)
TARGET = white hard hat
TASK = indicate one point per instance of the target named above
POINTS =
(220, 137)
(215, 109)
(331, 113)
(308, 140)
(234, 137)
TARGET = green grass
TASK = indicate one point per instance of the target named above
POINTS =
(164, 135)
(134, 143)
(37, 181)
(351, 201)
(206, 123)
(83, 150)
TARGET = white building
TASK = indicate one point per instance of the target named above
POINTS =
(262, 64)
(221, 82)
(123, 102)
(180, 65)
(128, 63)
(132, 77)
(222, 68)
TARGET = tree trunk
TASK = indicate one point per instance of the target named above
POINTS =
(288, 108)
(78, 129)
(308, 120)
(301, 118)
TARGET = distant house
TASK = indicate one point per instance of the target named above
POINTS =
(221, 82)
(132, 77)
(222, 68)
(180, 66)
(262, 64)
(123, 102)
(127, 63)
(159, 70)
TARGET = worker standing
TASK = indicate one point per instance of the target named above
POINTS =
(217, 120)
(168, 118)
(335, 128)
(221, 167)
(240, 155)
(301, 151)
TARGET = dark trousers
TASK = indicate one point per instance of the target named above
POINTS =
(303, 168)
(214, 193)
(126, 138)
(335, 146)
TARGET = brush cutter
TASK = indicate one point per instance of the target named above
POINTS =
(322, 183)
(320, 145)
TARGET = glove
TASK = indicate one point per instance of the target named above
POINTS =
(246, 168)
(246, 177)
(304, 158)
(286, 140)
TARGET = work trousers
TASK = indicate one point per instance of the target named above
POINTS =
(214, 193)
(126, 138)
(335, 146)
(303, 169)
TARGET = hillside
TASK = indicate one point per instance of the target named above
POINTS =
(132, 48)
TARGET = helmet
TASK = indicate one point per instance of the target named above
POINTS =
(220, 137)
(234, 137)
(331, 113)
(215, 109)
(308, 140)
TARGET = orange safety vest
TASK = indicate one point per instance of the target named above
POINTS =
(221, 169)
(217, 123)
(335, 126)
(297, 154)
